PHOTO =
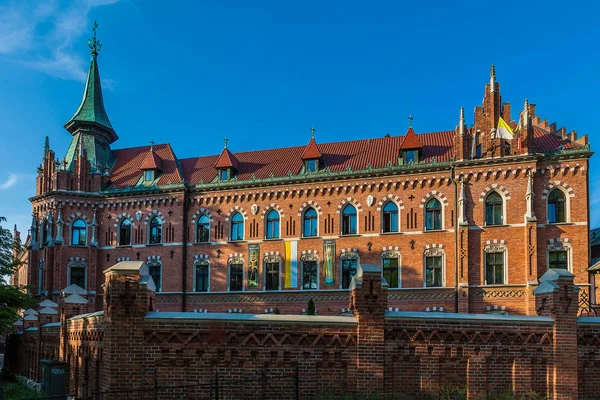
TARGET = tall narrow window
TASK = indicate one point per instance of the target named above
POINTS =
(348, 271)
(236, 277)
(433, 215)
(557, 207)
(478, 151)
(310, 223)
(494, 268)
(237, 227)
(203, 230)
(78, 233)
(43, 235)
(493, 209)
(349, 220)
(272, 276)
(272, 228)
(558, 259)
(77, 272)
(390, 271)
(433, 271)
(155, 271)
(125, 233)
(155, 231)
(390, 217)
(201, 277)
(309, 275)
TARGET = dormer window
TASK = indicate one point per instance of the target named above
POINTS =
(312, 165)
(151, 165)
(224, 174)
(149, 175)
(410, 156)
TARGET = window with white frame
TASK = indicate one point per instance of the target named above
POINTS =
(236, 275)
(155, 272)
(494, 209)
(390, 266)
(272, 225)
(349, 265)
(201, 276)
(78, 233)
(433, 215)
(349, 221)
(434, 259)
(557, 207)
(77, 274)
(310, 223)
(203, 229)
(495, 265)
(558, 255)
(390, 217)
(237, 227)
(155, 236)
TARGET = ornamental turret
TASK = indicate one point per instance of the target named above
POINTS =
(90, 125)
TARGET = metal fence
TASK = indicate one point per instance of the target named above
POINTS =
(260, 385)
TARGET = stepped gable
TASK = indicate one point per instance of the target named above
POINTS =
(127, 169)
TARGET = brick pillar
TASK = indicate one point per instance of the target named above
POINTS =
(128, 293)
(557, 297)
(368, 302)
(476, 377)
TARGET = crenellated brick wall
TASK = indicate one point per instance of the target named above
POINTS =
(373, 352)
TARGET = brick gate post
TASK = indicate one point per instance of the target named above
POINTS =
(128, 296)
(368, 302)
(557, 297)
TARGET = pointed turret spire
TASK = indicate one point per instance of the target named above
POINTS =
(46, 147)
(462, 214)
(492, 79)
(91, 110)
(526, 113)
(529, 196)
(59, 227)
(461, 122)
(94, 239)
(227, 159)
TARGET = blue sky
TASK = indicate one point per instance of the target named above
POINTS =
(263, 72)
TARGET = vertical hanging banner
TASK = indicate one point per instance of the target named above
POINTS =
(291, 264)
(329, 260)
(253, 258)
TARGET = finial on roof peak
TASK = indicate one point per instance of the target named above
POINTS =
(152, 145)
(312, 132)
(461, 122)
(410, 121)
(225, 141)
(93, 43)
(493, 71)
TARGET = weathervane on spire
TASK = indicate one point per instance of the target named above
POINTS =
(225, 140)
(410, 120)
(312, 132)
(93, 43)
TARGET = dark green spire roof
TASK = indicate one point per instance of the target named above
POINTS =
(91, 109)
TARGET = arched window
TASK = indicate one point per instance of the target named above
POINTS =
(557, 207)
(272, 228)
(237, 227)
(78, 233)
(433, 215)
(390, 217)
(203, 230)
(310, 223)
(494, 214)
(155, 236)
(125, 234)
(349, 220)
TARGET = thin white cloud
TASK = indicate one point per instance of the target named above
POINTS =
(39, 34)
(10, 182)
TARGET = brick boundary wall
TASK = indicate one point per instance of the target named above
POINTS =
(372, 352)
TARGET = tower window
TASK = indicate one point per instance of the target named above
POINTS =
(78, 233)
(557, 207)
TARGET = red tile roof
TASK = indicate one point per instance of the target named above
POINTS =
(411, 141)
(337, 156)
(546, 142)
(151, 161)
(126, 171)
(311, 151)
(227, 160)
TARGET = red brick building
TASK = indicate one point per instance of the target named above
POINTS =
(465, 219)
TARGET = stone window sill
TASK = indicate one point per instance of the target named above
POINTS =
(435, 230)
(496, 226)
(154, 244)
(350, 235)
(390, 233)
(273, 240)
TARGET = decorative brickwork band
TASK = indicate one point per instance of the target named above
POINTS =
(561, 185)
(349, 200)
(308, 204)
(497, 188)
(270, 207)
(434, 193)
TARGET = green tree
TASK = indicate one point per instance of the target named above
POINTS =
(12, 298)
